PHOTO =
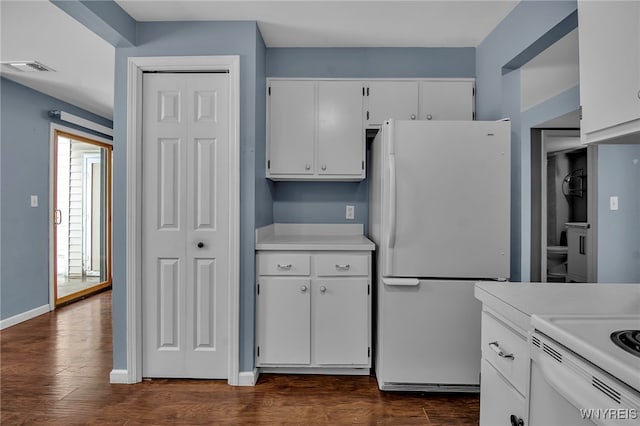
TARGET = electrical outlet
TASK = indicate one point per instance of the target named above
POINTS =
(351, 211)
(613, 203)
(34, 201)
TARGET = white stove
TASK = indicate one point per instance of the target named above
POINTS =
(585, 370)
(590, 337)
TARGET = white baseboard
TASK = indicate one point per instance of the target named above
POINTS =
(119, 377)
(248, 378)
(17, 319)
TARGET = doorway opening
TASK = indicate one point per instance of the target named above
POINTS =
(563, 207)
(82, 216)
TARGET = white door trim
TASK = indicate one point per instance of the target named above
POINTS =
(52, 135)
(136, 66)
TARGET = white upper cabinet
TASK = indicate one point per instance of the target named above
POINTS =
(341, 149)
(315, 130)
(291, 127)
(609, 46)
(392, 99)
(446, 100)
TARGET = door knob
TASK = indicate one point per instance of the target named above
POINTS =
(200, 244)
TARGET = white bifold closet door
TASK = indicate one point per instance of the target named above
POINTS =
(185, 225)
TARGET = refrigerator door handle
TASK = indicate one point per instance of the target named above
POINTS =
(401, 281)
(391, 236)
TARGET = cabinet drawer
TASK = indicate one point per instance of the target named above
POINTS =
(342, 265)
(506, 350)
(498, 399)
(284, 264)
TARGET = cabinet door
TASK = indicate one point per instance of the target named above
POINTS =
(577, 254)
(609, 47)
(341, 147)
(498, 400)
(339, 325)
(446, 100)
(392, 99)
(283, 320)
(291, 128)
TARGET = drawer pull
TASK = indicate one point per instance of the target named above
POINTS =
(496, 348)
(282, 266)
(343, 267)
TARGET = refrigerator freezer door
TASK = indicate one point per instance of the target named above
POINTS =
(451, 185)
(428, 334)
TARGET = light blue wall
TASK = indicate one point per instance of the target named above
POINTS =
(324, 202)
(619, 231)
(184, 39)
(263, 191)
(377, 62)
(529, 27)
(24, 170)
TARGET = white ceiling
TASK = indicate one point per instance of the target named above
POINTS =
(84, 62)
(342, 23)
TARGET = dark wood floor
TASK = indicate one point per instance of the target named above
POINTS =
(55, 371)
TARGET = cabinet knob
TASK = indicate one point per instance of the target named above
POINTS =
(324, 167)
(307, 166)
(413, 116)
(303, 288)
(429, 117)
(515, 420)
(323, 289)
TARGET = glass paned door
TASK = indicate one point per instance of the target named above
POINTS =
(82, 216)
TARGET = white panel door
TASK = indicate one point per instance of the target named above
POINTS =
(392, 99)
(446, 100)
(292, 118)
(339, 321)
(341, 147)
(283, 320)
(185, 225)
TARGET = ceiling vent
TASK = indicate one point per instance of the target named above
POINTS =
(27, 66)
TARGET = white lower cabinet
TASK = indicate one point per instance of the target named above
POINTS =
(504, 372)
(500, 403)
(318, 320)
(284, 320)
(339, 321)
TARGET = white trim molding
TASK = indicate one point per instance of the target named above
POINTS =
(118, 377)
(136, 67)
(17, 319)
(248, 378)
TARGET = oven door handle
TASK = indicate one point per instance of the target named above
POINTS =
(574, 388)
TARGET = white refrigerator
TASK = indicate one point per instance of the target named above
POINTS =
(439, 194)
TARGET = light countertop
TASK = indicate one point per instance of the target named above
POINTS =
(330, 237)
(518, 301)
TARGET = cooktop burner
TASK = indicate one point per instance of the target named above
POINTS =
(629, 340)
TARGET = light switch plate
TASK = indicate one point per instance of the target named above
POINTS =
(350, 213)
(613, 203)
(34, 201)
